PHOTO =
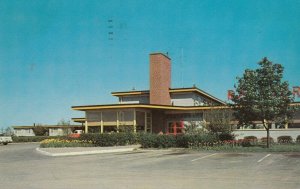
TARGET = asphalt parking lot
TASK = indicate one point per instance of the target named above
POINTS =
(22, 167)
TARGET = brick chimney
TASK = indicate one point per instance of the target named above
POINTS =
(160, 79)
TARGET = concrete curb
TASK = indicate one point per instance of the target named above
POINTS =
(75, 153)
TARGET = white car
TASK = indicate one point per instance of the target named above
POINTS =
(5, 140)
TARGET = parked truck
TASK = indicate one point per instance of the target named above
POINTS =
(5, 139)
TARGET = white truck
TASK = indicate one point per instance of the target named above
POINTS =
(5, 139)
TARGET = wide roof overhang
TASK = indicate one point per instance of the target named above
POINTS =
(153, 106)
(146, 106)
(172, 90)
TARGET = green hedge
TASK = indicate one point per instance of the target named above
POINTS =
(110, 139)
(180, 141)
(225, 136)
(157, 141)
(284, 139)
(32, 138)
(249, 141)
(264, 140)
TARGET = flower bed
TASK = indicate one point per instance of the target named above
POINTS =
(58, 143)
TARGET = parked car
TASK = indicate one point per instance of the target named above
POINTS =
(76, 134)
(5, 139)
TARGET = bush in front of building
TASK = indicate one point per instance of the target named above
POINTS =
(110, 139)
(40, 130)
(226, 136)
(148, 140)
(202, 140)
(165, 141)
(298, 139)
(264, 140)
(182, 141)
(284, 139)
(249, 141)
(179, 141)
(32, 138)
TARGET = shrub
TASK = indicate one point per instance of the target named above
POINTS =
(249, 141)
(57, 143)
(251, 138)
(158, 141)
(40, 130)
(245, 143)
(226, 136)
(264, 140)
(32, 138)
(298, 139)
(201, 140)
(284, 139)
(148, 140)
(110, 139)
(165, 141)
(182, 141)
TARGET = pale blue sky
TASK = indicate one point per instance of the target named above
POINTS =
(57, 54)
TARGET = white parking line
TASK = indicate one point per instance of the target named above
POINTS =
(263, 158)
(204, 157)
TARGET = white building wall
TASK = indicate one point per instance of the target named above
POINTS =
(182, 99)
(24, 132)
(134, 100)
(187, 99)
(59, 131)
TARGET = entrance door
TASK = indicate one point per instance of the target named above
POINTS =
(175, 127)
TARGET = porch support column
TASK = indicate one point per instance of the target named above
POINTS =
(145, 122)
(86, 127)
(134, 121)
(118, 123)
(101, 123)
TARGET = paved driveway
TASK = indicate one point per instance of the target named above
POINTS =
(22, 167)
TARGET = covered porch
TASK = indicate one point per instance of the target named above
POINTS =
(118, 120)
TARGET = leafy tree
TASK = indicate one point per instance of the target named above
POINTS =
(218, 121)
(40, 130)
(261, 95)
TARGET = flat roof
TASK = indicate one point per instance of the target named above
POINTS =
(79, 119)
(148, 106)
(172, 90)
(153, 106)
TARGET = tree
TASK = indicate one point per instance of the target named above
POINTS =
(66, 130)
(261, 95)
(63, 122)
(39, 130)
(218, 121)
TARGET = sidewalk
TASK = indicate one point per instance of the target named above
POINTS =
(85, 150)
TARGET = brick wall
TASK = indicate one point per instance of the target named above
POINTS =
(160, 79)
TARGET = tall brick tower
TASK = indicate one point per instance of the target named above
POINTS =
(160, 79)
